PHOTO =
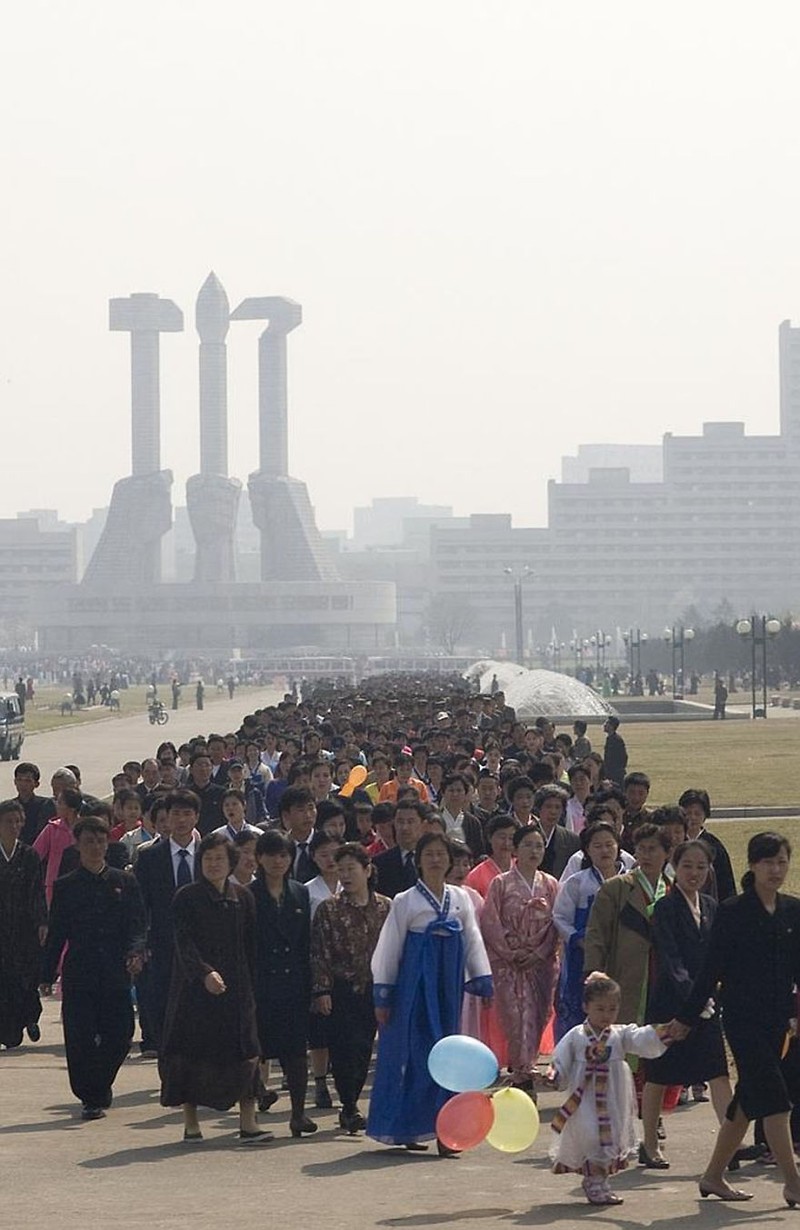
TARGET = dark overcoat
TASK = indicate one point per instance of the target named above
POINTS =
(210, 1045)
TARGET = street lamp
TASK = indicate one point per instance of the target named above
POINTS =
(600, 641)
(634, 638)
(578, 648)
(555, 650)
(758, 628)
(676, 636)
(519, 577)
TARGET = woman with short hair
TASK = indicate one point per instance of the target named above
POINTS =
(210, 1046)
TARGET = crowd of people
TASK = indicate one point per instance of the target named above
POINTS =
(407, 861)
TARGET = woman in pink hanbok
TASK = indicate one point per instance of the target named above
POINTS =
(522, 943)
(499, 836)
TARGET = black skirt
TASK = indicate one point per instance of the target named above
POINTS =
(761, 1088)
(282, 1012)
(699, 1058)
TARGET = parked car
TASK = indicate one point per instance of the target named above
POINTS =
(12, 726)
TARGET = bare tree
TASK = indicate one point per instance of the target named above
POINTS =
(448, 620)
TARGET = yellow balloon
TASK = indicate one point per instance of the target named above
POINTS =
(516, 1121)
(357, 775)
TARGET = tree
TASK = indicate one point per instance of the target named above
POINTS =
(448, 620)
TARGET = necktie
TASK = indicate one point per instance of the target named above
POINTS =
(410, 869)
(184, 874)
(302, 857)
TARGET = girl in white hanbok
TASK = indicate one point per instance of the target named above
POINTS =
(595, 1130)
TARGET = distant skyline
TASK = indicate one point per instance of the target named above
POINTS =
(513, 229)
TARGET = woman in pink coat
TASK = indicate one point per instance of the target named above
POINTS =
(522, 944)
(56, 836)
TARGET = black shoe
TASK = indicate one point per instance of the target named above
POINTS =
(443, 1150)
(259, 1137)
(267, 1099)
(751, 1152)
(92, 1112)
(652, 1163)
(322, 1098)
(33, 1031)
(352, 1122)
(302, 1127)
(416, 1146)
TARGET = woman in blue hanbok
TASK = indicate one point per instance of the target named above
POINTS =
(429, 952)
(576, 894)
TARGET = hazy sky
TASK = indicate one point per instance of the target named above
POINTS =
(513, 226)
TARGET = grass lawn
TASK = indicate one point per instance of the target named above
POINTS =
(740, 764)
(44, 713)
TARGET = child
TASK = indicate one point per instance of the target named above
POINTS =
(596, 1127)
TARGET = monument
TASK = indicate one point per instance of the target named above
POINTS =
(129, 551)
(299, 601)
(212, 498)
(291, 546)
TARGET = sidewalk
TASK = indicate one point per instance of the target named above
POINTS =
(130, 1171)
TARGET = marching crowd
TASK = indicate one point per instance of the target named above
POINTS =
(407, 861)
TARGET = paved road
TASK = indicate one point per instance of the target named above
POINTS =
(131, 1172)
(100, 748)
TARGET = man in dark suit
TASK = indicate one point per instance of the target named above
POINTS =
(395, 869)
(297, 813)
(36, 808)
(161, 869)
(97, 911)
(549, 805)
(615, 753)
(210, 795)
(219, 768)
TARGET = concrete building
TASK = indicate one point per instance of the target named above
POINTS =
(34, 564)
(383, 523)
(468, 569)
(724, 524)
(644, 461)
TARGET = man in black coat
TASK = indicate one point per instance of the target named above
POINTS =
(210, 795)
(162, 868)
(36, 808)
(297, 813)
(615, 753)
(395, 869)
(97, 911)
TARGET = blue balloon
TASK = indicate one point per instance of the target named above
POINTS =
(461, 1063)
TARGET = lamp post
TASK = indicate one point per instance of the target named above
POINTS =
(759, 629)
(555, 650)
(634, 638)
(519, 577)
(600, 641)
(677, 636)
(577, 647)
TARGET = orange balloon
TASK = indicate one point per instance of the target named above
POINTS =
(465, 1120)
(356, 777)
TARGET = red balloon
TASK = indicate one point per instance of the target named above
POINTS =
(465, 1120)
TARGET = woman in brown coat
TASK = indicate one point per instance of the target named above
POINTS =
(210, 1051)
(619, 933)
